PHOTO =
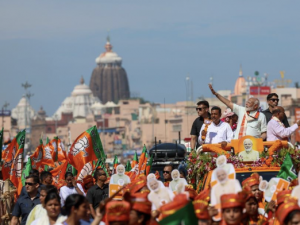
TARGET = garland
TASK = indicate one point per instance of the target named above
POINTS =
(207, 123)
(215, 149)
(276, 146)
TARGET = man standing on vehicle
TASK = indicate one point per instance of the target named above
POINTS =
(273, 100)
(204, 117)
(251, 121)
(218, 132)
(276, 128)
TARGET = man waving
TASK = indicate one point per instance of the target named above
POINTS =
(251, 121)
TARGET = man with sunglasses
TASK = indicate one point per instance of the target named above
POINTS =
(26, 202)
(204, 115)
(167, 175)
(273, 100)
(98, 192)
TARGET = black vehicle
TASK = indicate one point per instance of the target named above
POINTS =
(166, 154)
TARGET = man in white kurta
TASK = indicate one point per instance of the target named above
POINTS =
(176, 180)
(120, 178)
(218, 131)
(224, 186)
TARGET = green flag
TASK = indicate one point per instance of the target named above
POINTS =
(183, 216)
(287, 170)
(149, 165)
(71, 169)
(1, 143)
(97, 164)
(26, 171)
(128, 166)
(47, 140)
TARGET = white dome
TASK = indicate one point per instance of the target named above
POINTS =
(109, 57)
(81, 89)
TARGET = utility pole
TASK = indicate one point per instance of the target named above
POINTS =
(6, 104)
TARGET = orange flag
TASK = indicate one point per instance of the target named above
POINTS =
(11, 155)
(143, 161)
(59, 172)
(86, 148)
(37, 156)
(58, 150)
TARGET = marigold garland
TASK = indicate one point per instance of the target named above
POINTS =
(212, 148)
(207, 123)
(276, 146)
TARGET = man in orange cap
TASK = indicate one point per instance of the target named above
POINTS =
(252, 184)
(201, 211)
(140, 209)
(232, 206)
(117, 213)
(288, 213)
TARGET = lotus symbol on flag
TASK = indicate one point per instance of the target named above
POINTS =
(47, 153)
(80, 146)
(39, 157)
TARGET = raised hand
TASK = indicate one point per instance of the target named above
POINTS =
(211, 89)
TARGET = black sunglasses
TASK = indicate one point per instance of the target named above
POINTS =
(167, 172)
(200, 109)
(30, 184)
(274, 99)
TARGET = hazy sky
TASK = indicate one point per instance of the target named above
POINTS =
(51, 44)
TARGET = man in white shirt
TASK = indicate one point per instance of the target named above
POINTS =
(251, 121)
(218, 132)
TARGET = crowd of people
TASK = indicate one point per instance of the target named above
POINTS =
(148, 200)
(170, 199)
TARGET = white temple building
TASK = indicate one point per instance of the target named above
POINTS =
(79, 103)
(23, 113)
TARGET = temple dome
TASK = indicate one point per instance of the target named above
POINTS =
(109, 80)
(240, 84)
(79, 103)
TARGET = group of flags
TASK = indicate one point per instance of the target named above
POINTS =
(85, 155)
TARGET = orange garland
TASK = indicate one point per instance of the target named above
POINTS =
(276, 146)
(207, 123)
(212, 148)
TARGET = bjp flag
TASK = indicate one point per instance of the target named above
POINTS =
(37, 156)
(59, 172)
(143, 161)
(149, 165)
(86, 148)
(10, 154)
(58, 151)
(15, 174)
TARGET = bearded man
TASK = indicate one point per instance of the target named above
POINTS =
(120, 178)
(248, 154)
(251, 121)
(176, 180)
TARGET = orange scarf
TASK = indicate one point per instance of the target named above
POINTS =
(243, 128)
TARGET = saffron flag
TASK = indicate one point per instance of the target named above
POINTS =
(58, 150)
(144, 165)
(142, 159)
(149, 165)
(115, 162)
(287, 170)
(11, 152)
(135, 160)
(1, 142)
(59, 172)
(86, 148)
(15, 174)
(37, 156)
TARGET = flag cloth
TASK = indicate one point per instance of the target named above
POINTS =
(11, 152)
(128, 166)
(36, 157)
(287, 170)
(135, 160)
(1, 143)
(58, 151)
(71, 169)
(185, 215)
(142, 159)
(115, 164)
(47, 140)
(86, 148)
(47, 160)
(15, 174)
(59, 172)
(149, 165)
(144, 165)
(26, 171)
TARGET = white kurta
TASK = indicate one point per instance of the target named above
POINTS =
(120, 180)
(65, 191)
(163, 196)
(173, 184)
(216, 133)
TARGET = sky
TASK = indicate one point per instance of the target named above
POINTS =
(51, 44)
